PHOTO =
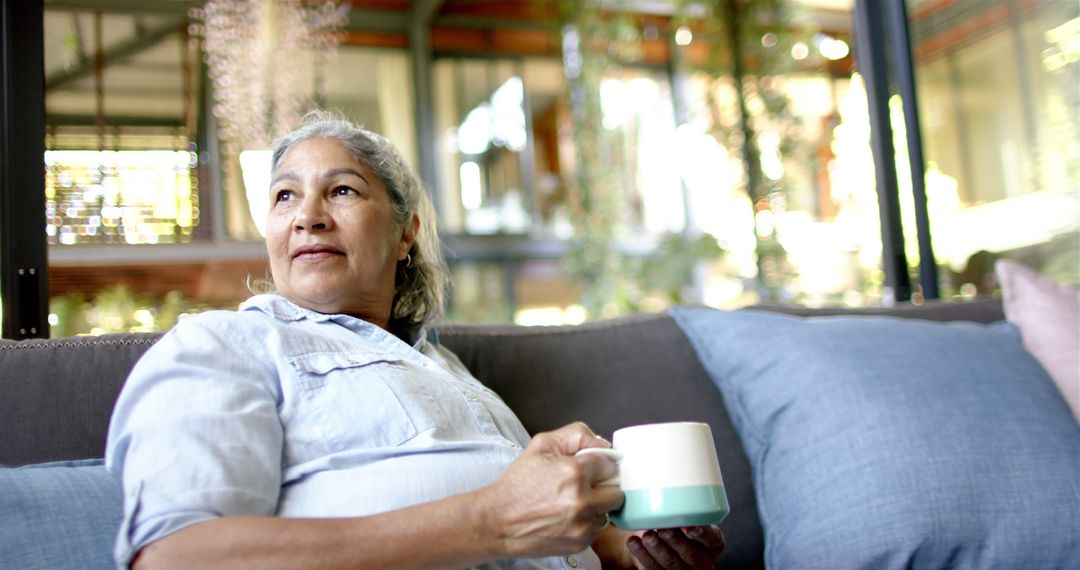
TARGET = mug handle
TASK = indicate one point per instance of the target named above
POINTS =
(612, 454)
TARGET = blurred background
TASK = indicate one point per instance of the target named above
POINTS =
(587, 159)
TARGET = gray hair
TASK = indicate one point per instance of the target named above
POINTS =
(421, 278)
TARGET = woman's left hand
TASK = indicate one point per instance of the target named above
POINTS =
(692, 547)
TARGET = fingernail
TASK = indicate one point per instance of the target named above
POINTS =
(695, 531)
(667, 534)
(650, 539)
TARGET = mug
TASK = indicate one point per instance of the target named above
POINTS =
(669, 474)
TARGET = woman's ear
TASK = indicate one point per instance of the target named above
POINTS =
(408, 236)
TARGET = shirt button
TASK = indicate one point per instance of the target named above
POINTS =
(573, 561)
(470, 396)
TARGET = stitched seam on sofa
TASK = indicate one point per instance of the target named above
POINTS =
(76, 344)
(585, 328)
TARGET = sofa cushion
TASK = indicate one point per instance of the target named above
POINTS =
(59, 515)
(1048, 316)
(887, 443)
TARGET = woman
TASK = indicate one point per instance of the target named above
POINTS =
(321, 426)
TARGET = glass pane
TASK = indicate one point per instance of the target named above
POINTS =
(545, 86)
(117, 197)
(545, 294)
(812, 235)
(639, 114)
(380, 97)
(817, 221)
(1000, 106)
(121, 168)
(483, 143)
(481, 293)
(534, 292)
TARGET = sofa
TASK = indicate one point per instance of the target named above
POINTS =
(917, 436)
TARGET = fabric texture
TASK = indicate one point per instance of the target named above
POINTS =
(58, 516)
(980, 310)
(1048, 316)
(888, 443)
(278, 410)
(75, 378)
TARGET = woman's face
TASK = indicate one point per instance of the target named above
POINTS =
(331, 236)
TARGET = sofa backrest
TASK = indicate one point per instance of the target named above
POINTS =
(637, 369)
(984, 310)
(58, 394)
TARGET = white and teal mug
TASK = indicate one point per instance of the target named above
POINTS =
(669, 474)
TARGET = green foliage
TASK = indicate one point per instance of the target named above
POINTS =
(670, 269)
(595, 39)
(70, 315)
(749, 42)
(116, 309)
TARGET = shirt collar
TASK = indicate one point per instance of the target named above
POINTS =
(283, 309)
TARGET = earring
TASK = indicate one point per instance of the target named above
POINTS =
(408, 260)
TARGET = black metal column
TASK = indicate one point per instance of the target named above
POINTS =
(905, 79)
(422, 14)
(870, 43)
(23, 248)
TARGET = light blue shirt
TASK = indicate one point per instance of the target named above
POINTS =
(278, 410)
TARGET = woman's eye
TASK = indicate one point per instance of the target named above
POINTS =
(283, 195)
(344, 191)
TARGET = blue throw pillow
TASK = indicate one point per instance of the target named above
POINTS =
(880, 442)
(59, 515)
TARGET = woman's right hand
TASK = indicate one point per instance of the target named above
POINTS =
(547, 503)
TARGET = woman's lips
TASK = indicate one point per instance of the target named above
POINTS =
(316, 253)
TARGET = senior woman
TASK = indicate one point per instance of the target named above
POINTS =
(321, 425)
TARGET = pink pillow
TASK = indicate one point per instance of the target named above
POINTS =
(1048, 316)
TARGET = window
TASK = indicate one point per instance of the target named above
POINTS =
(1000, 112)
(816, 163)
(118, 197)
(485, 154)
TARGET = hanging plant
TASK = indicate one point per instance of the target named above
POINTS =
(749, 43)
(592, 42)
(265, 60)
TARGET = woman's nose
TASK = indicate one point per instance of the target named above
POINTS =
(312, 215)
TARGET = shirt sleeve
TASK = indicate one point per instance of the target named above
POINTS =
(195, 433)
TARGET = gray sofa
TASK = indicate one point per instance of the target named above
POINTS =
(58, 395)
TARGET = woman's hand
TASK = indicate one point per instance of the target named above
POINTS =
(545, 503)
(695, 547)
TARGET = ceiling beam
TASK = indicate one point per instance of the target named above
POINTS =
(76, 120)
(363, 20)
(489, 23)
(128, 7)
(120, 51)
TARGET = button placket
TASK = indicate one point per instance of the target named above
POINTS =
(480, 411)
(474, 398)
